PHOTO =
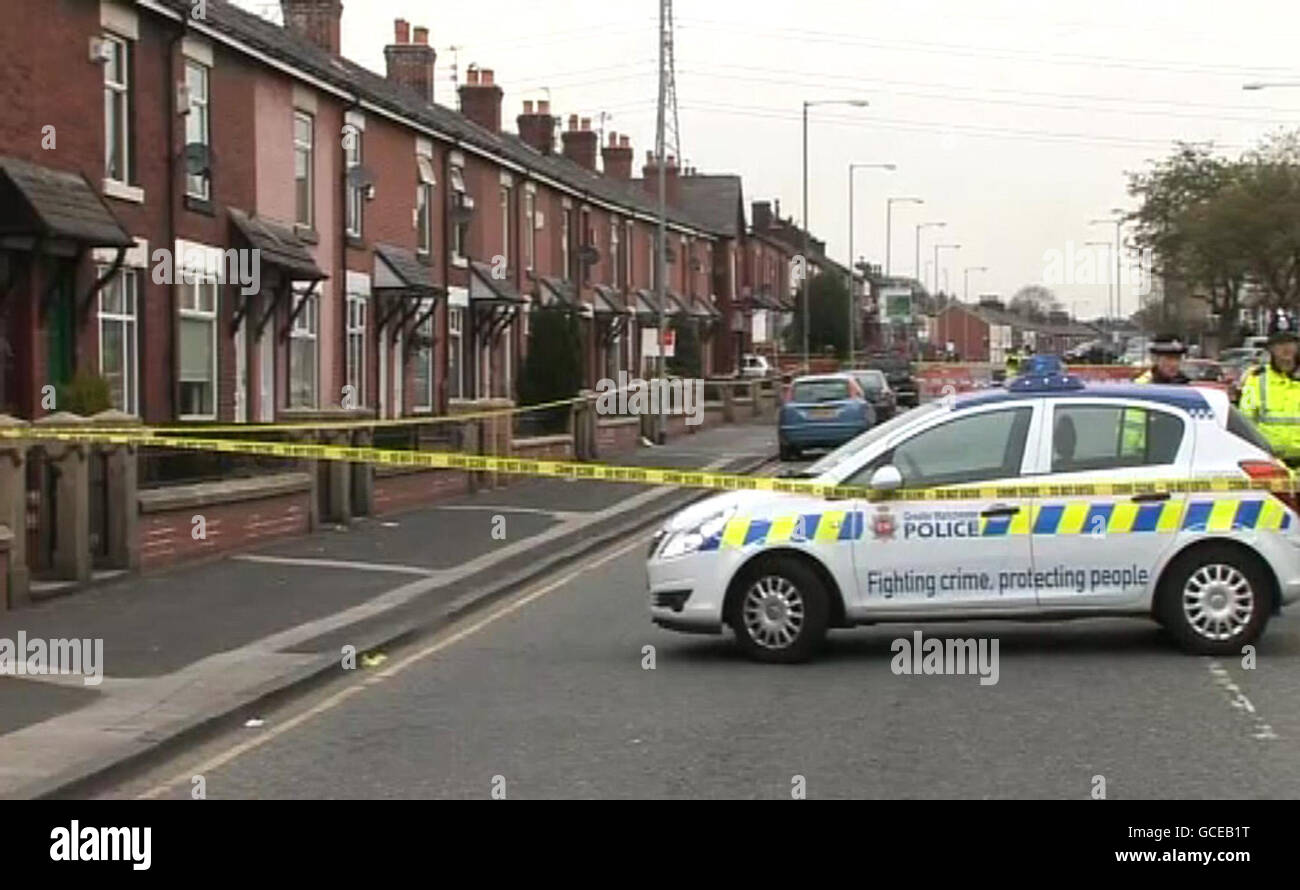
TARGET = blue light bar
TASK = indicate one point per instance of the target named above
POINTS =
(1044, 373)
(1042, 366)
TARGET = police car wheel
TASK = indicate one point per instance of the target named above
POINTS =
(780, 612)
(1214, 600)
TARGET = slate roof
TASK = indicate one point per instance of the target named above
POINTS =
(714, 198)
(287, 46)
(406, 266)
(278, 244)
(57, 204)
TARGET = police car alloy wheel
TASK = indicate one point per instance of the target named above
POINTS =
(1215, 600)
(780, 611)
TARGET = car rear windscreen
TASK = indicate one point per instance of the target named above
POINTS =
(820, 391)
(1242, 428)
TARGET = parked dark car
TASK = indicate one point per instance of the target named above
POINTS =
(898, 371)
(875, 386)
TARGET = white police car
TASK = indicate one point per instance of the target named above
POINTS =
(780, 569)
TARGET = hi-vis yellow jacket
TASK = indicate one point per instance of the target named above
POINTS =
(1271, 400)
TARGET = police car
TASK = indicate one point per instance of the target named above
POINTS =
(781, 569)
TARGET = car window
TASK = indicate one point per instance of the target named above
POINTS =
(872, 382)
(1103, 437)
(878, 433)
(820, 391)
(990, 445)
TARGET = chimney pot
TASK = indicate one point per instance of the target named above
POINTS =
(471, 76)
(528, 106)
(573, 122)
(613, 139)
(586, 123)
(624, 142)
(485, 78)
(422, 36)
(401, 31)
(543, 106)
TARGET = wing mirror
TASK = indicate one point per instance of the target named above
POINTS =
(887, 478)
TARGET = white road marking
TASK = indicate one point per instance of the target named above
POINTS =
(339, 564)
(506, 508)
(1237, 698)
(329, 704)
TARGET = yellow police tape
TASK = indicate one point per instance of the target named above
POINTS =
(705, 479)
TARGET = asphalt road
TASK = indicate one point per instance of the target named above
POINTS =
(547, 696)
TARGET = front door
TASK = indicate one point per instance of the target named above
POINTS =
(950, 554)
(1100, 550)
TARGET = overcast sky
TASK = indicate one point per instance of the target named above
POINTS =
(1014, 120)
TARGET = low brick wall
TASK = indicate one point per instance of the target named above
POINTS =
(237, 514)
(543, 448)
(5, 537)
(398, 489)
(713, 415)
(617, 435)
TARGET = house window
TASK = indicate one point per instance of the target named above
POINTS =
(198, 339)
(654, 265)
(422, 361)
(530, 228)
(356, 191)
(566, 231)
(615, 254)
(303, 347)
(356, 347)
(588, 240)
(303, 165)
(118, 362)
(455, 364)
(505, 224)
(461, 204)
(627, 257)
(117, 109)
(197, 126)
(424, 204)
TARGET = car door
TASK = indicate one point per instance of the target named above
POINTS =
(1101, 550)
(950, 553)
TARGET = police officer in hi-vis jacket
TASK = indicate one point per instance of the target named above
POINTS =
(1270, 395)
(1167, 353)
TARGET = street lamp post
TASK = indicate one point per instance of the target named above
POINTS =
(917, 262)
(853, 302)
(856, 103)
(889, 210)
(1118, 222)
(1110, 295)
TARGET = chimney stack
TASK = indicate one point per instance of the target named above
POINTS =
(411, 64)
(480, 99)
(618, 157)
(650, 178)
(537, 128)
(762, 214)
(580, 142)
(320, 21)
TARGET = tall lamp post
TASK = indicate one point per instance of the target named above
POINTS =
(889, 230)
(1110, 286)
(856, 103)
(1118, 221)
(917, 263)
(853, 301)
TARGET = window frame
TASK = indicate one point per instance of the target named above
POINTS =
(354, 211)
(356, 328)
(305, 328)
(305, 219)
(130, 322)
(455, 351)
(202, 107)
(192, 282)
(424, 354)
(459, 231)
(566, 248)
(530, 229)
(122, 94)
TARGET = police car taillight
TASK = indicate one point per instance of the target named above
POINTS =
(1269, 470)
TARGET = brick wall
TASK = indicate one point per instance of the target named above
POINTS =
(543, 448)
(617, 436)
(166, 536)
(396, 492)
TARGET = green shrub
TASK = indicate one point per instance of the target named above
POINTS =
(84, 394)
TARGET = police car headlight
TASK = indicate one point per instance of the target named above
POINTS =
(688, 540)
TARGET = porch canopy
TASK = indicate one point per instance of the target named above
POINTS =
(495, 301)
(283, 253)
(403, 284)
(556, 293)
(612, 316)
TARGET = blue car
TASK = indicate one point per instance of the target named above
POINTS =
(824, 411)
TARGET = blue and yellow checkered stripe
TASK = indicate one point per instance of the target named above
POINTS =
(1065, 518)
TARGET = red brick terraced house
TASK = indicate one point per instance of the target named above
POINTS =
(147, 151)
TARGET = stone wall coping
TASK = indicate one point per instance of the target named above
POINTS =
(225, 491)
(541, 441)
(618, 421)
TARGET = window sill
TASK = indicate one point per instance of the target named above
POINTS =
(200, 205)
(355, 241)
(460, 262)
(306, 233)
(123, 192)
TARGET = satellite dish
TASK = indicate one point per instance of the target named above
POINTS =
(360, 177)
(198, 158)
(588, 255)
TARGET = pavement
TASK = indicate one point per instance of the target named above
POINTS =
(548, 695)
(185, 648)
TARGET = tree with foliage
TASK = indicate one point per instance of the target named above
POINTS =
(828, 317)
(1034, 301)
(687, 354)
(553, 368)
